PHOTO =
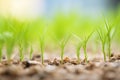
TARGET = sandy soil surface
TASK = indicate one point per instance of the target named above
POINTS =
(71, 69)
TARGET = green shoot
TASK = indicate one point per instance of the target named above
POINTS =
(79, 46)
(102, 37)
(1, 45)
(42, 47)
(10, 47)
(78, 51)
(85, 41)
(0, 52)
(110, 32)
(82, 43)
(42, 36)
(62, 46)
(10, 41)
(31, 52)
(21, 51)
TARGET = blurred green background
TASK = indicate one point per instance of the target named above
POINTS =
(55, 20)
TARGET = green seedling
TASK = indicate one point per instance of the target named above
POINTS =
(79, 46)
(1, 45)
(78, 51)
(21, 51)
(42, 47)
(10, 41)
(85, 41)
(0, 52)
(62, 46)
(31, 52)
(13, 34)
(42, 36)
(82, 43)
(102, 36)
(110, 32)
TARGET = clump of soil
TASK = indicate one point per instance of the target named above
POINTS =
(70, 69)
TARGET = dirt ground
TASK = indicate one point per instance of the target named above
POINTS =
(71, 69)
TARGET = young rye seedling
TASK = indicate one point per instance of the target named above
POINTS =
(79, 46)
(85, 41)
(10, 41)
(78, 51)
(21, 51)
(0, 52)
(62, 46)
(42, 47)
(82, 43)
(102, 36)
(110, 32)
(31, 52)
(1, 45)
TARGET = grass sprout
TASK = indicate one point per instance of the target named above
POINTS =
(82, 44)
(110, 33)
(1, 45)
(42, 47)
(85, 41)
(10, 42)
(79, 46)
(102, 36)
(78, 51)
(62, 46)
(0, 52)
(31, 52)
(21, 51)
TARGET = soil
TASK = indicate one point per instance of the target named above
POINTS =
(70, 69)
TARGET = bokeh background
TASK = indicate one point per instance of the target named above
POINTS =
(33, 8)
(27, 20)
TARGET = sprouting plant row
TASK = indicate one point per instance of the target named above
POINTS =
(9, 36)
(105, 36)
